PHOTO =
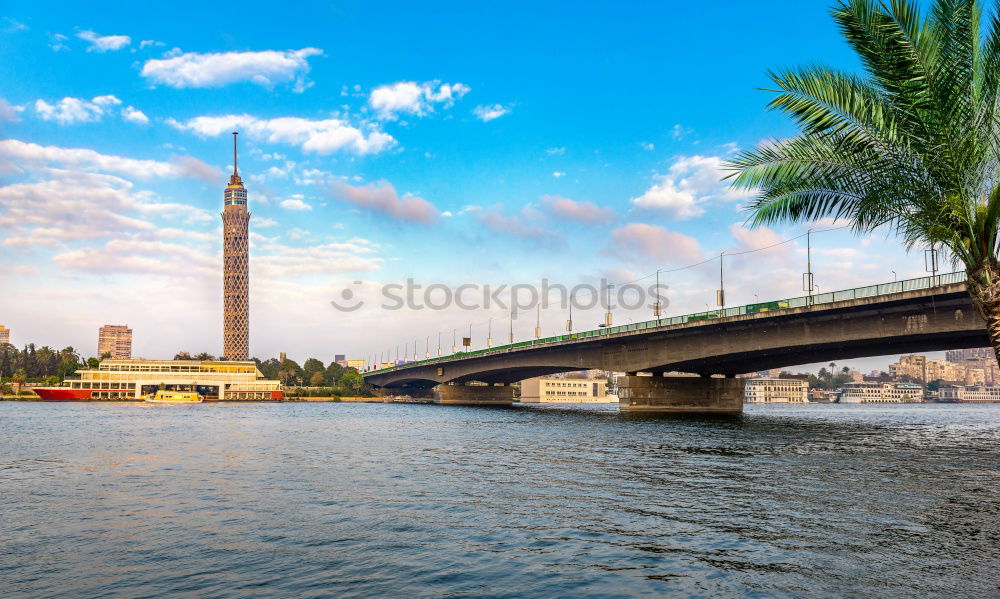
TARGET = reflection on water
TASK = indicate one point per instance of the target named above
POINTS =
(353, 500)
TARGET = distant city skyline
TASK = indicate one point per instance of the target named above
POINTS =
(421, 152)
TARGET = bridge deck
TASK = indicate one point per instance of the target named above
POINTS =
(873, 294)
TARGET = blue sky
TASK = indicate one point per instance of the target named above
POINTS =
(450, 143)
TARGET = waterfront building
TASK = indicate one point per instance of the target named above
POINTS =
(969, 394)
(135, 379)
(561, 390)
(913, 366)
(980, 365)
(114, 341)
(975, 376)
(236, 268)
(963, 355)
(340, 360)
(358, 365)
(4, 335)
(775, 390)
(920, 368)
(875, 392)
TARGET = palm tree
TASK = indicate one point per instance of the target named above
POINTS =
(913, 144)
(19, 379)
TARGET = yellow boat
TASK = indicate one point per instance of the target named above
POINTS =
(175, 397)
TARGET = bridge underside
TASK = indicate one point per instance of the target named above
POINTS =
(917, 321)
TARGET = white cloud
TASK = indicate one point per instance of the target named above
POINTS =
(75, 110)
(282, 262)
(648, 146)
(583, 212)
(414, 98)
(261, 222)
(322, 137)
(384, 199)
(73, 205)
(295, 204)
(149, 43)
(762, 241)
(17, 156)
(11, 25)
(527, 224)
(649, 244)
(679, 132)
(134, 115)
(489, 112)
(689, 183)
(8, 112)
(556, 151)
(140, 255)
(558, 174)
(103, 43)
(56, 42)
(267, 68)
(106, 101)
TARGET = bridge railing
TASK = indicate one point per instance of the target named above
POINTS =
(758, 308)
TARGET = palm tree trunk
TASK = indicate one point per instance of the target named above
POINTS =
(984, 288)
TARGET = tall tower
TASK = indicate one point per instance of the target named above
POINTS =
(236, 262)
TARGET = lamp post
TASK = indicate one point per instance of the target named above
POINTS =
(656, 304)
(607, 316)
(931, 263)
(720, 299)
(569, 322)
(807, 278)
(538, 320)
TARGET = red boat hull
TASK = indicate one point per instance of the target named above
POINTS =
(61, 394)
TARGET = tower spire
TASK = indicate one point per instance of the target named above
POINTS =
(234, 179)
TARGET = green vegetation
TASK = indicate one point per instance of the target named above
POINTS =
(912, 145)
(324, 381)
(830, 379)
(31, 365)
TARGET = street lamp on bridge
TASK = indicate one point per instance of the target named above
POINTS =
(607, 316)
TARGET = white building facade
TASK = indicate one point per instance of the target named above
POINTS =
(773, 390)
(881, 393)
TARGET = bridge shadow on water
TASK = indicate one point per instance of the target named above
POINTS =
(784, 424)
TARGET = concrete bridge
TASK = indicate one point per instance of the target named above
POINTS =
(916, 315)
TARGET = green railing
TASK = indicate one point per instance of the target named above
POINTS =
(759, 308)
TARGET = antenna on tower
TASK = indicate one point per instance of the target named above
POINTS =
(235, 133)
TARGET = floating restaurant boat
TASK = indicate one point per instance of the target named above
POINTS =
(134, 380)
(175, 397)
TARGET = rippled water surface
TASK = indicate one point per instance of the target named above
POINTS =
(362, 500)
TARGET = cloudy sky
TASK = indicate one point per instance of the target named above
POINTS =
(448, 143)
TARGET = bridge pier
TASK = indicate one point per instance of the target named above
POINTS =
(680, 395)
(474, 395)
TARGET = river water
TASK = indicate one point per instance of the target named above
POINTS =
(375, 500)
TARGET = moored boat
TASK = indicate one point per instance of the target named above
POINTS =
(162, 396)
(134, 380)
